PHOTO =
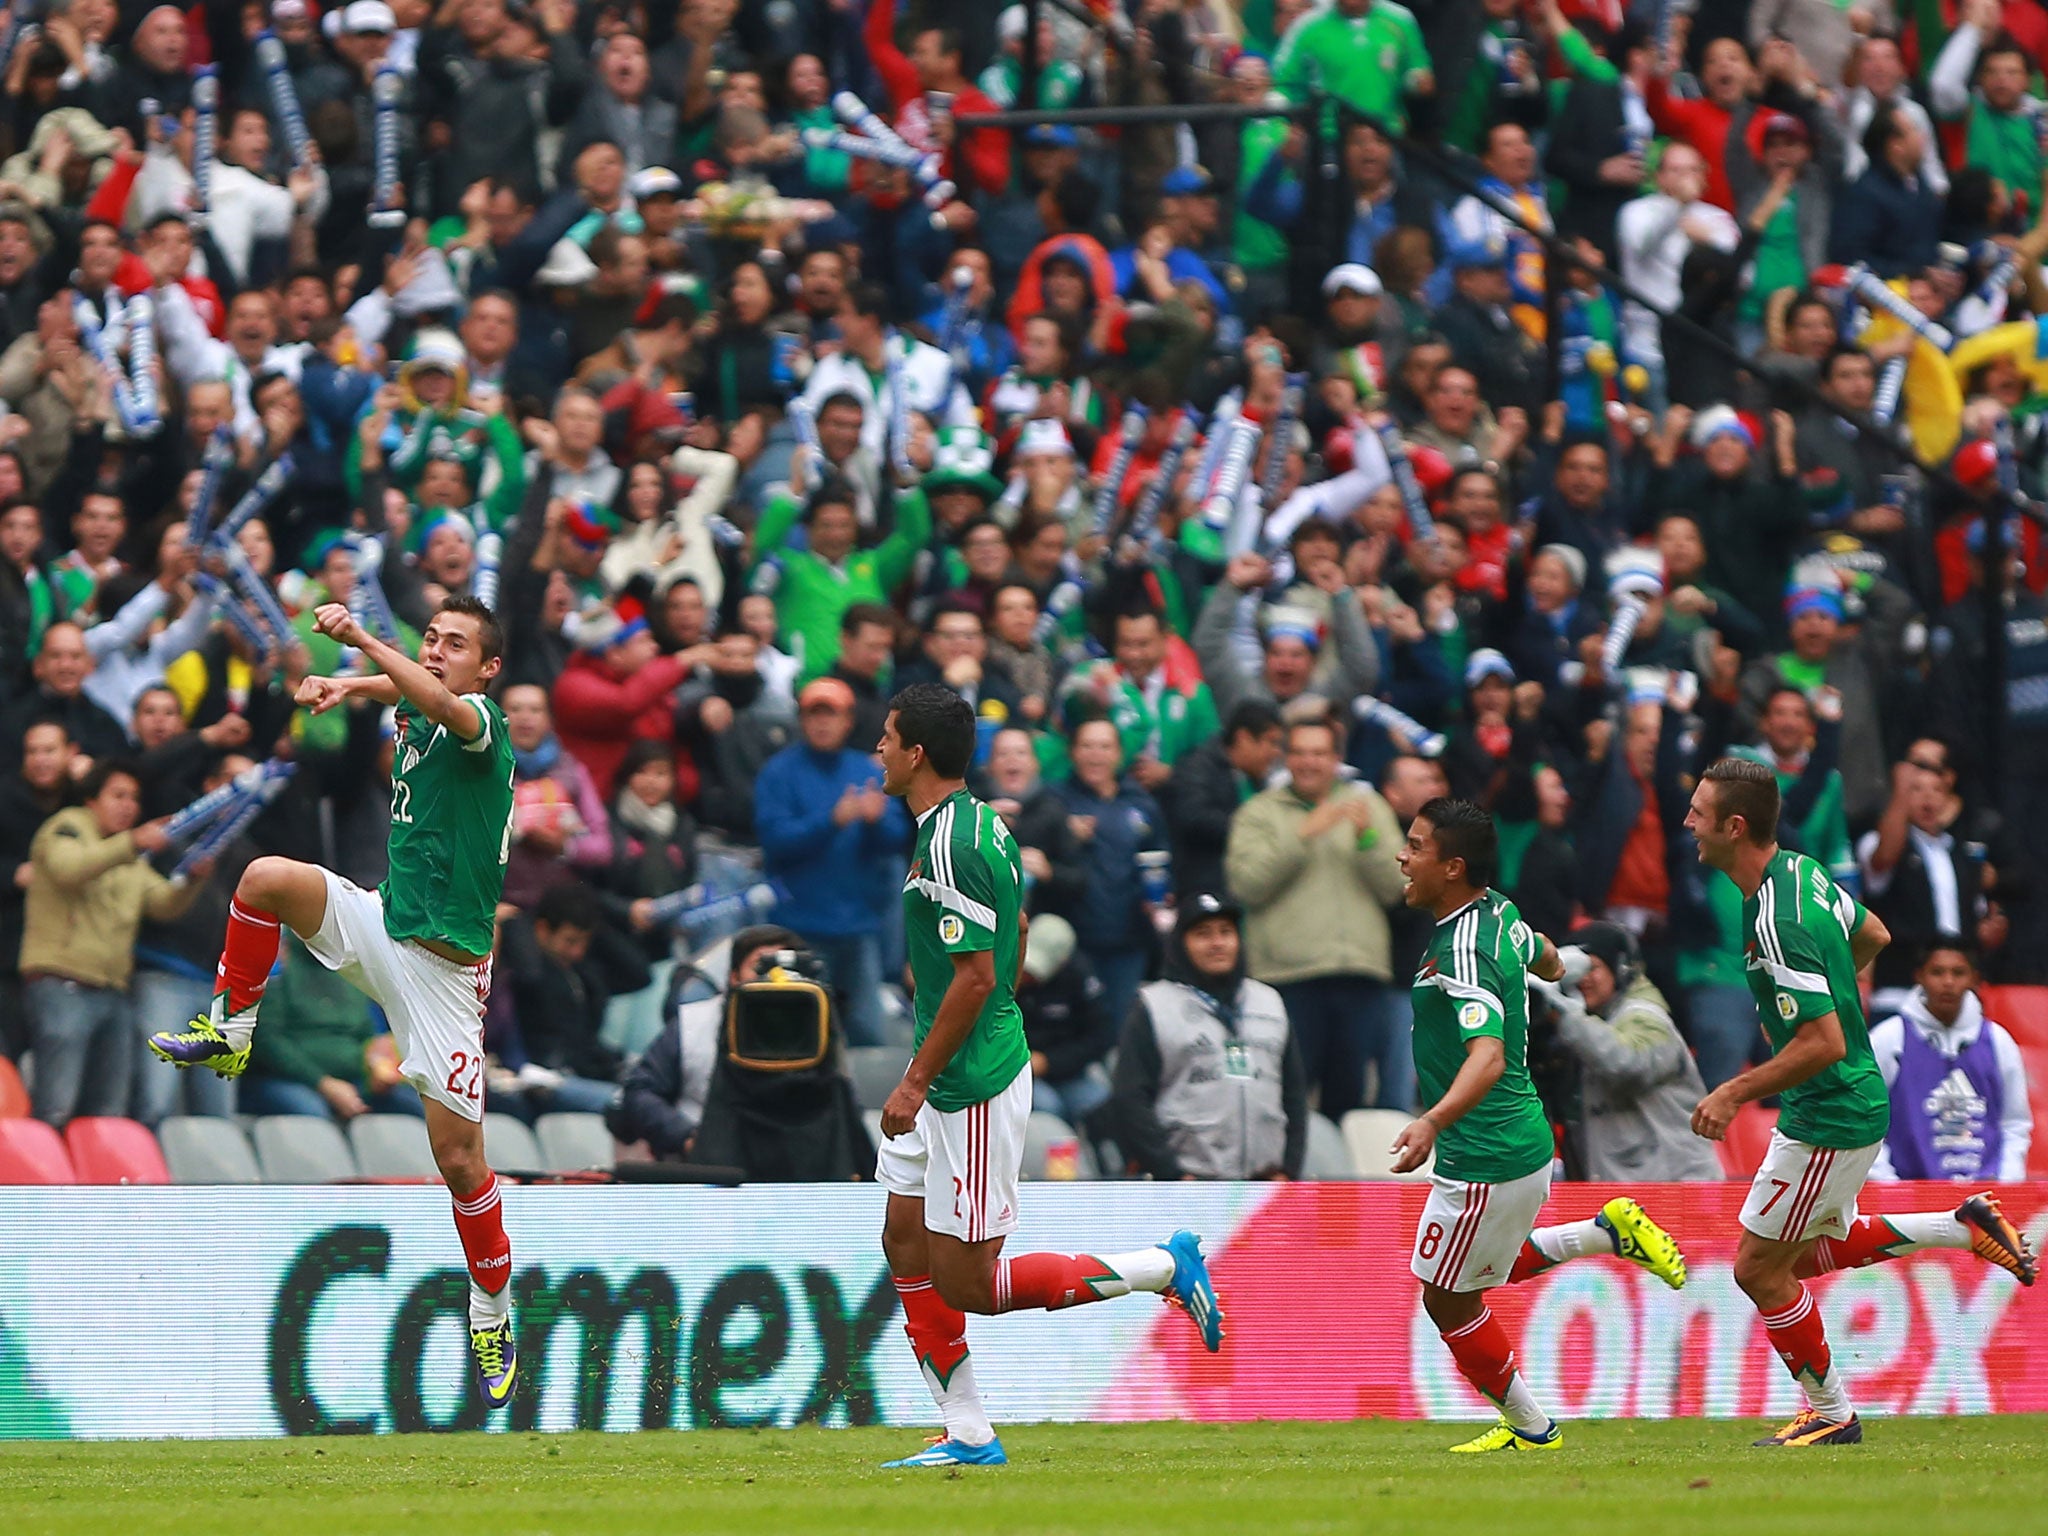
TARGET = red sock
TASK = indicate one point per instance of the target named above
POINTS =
(938, 1333)
(1484, 1354)
(247, 956)
(1053, 1281)
(480, 1222)
(1800, 1338)
(1530, 1261)
(1870, 1241)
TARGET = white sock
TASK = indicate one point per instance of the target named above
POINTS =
(959, 1403)
(487, 1310)
(1828, 1397)
(1521, 1409)
(1573, 1240)
(1931, 1229)
(1149, 1269)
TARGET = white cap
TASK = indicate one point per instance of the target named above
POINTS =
(568, 266)
(655, 181)
(1044, 435)
(287, 10)
(368, 16)
(1352, 277)
(1010, 24)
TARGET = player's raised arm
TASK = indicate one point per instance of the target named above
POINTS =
(414, 683)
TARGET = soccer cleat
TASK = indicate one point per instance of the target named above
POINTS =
(1811, 1429)
(204, 1044)
(1641, 1241)
(497, 1362)
(1505, 1437)
(954, 1453)
(1996, 1240)
(1191, 1290)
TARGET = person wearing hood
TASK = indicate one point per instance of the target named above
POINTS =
(1638, 1082)
(1957, 1082)
(1208, 1082)
(428, 416)
(825, 829)
(616, 689)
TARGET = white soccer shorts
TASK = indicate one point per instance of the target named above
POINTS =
(1803, 1191)
(1471, 1234)
(435, 1006)
(963, 1163)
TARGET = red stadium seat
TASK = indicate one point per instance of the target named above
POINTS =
(13, 1096)
(1749, 1136)
(2035, 1059)
(105, 1150)
(2022, 1010)
(32, 1153)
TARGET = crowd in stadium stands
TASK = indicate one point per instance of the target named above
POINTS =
(1253, 479)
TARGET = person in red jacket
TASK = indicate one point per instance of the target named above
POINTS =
(980, 158)
(1724, 77)
(617, 689)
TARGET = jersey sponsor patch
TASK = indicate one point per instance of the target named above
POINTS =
(1788, 1006)
(951, 929)
(1472, 1016)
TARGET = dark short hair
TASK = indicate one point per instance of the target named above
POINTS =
(859, 615)
(1320, 721)
(1254, 717)
(1749, 789)
(572, 904)
(953, 607)
(869, 299)
(1835, 356)
(934, 717)
(833, 491)
(1465, 831)
(1946, 943)
(840, 400)
(106, 768)
(490, 634)
(1784, 688)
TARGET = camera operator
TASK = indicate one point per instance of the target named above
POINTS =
(1637, 1080)
(661, 1101)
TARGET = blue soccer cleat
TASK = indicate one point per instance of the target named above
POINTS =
(497, 1362)
(954, 1453)
(1191, 1290)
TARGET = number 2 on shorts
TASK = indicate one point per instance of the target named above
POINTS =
(474, 1066)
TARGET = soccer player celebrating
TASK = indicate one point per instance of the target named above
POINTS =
(420, 944)
(1492, 1140)
(1805, 938)
(954, 1126)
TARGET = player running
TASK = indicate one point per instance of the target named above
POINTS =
(1492, 1140)
(954, 1126)
(1805, 938)
(420, 944)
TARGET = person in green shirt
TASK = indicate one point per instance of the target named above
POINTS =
(1484, 1124)
(1999, 133)
(1369, 54)
(1059, 80)
(953, 1129)
(814, 584)
(1805, 939)
(1801, 752)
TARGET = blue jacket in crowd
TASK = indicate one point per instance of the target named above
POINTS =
(1109, 914)
(833, 873)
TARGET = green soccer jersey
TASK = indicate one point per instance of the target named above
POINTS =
(964, 893)
(1474, 982)
(451, 830)
(1796, 955)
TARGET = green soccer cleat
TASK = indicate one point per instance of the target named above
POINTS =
(204, 1044)
(1641, 1241)
(1505, 1437)
(497, 1362)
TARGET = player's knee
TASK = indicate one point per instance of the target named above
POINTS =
(264, 880)
(1760, 1277)
(1450, 1309)
(460, 1157)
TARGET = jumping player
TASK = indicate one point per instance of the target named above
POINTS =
(420, 944)
(954, 1126)
(1804, 940)
(1492, 1140)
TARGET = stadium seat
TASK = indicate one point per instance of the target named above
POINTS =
(107, 1150)
(1042, 1132)
(1749, 1137)
(206, 1149)
(13, 1092)
(392, 1147)
(1368, 1133)
(1326, 1156)
(2022, 1010)
(32, 1153)
(2035, 1059)
(573, 1143)
(302, 1149)
(509, 1145)
(876, 1070)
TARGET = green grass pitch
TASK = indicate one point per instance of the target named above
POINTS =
(1918, 1476)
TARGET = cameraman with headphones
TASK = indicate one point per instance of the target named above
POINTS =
(1638, 1082)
